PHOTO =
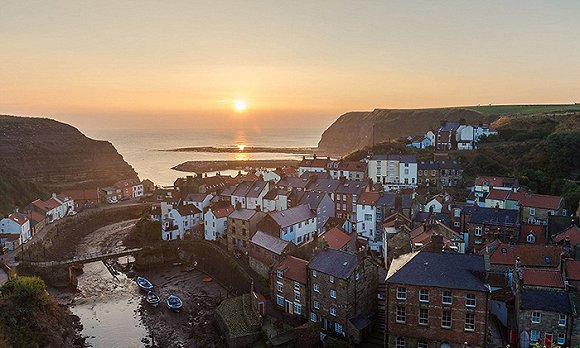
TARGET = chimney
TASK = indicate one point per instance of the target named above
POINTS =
(314, 156)
(437, 242)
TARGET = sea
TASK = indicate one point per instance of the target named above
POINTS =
(140, 147)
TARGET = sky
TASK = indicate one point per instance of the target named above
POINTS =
(184, 64)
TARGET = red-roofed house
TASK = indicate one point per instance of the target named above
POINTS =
(572, 234)
(542, 277)
(289, 288)
(16, 224)
(531, 255)
(536, 208)
(337, 239)
(572, 272)
(315, 165)
(37, 221)
(533, 234)
(84, 198)
(351, 170)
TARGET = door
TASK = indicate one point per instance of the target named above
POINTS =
(289, 307)
(261, 308)
(324, 323)
(548, 340)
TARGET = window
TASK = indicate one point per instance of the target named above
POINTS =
(331, 279)
(478, 231)
(368, 217)
(333, 311)
(562, 320)
(296, 286)
(401, 293)
(561, 339)
(297, 296)
(401, 315)
(400, 342)
(297, 308)
(456, 224)
(532, 211)
(338, 328)
(313, 317)
(316, 305)
(423, 316)
(469, 322)
(531, 238)
(333, 293)
(423, 295)
(315, 288)
(314, 274)
(279, 300)
(447, 298)
(534, 335)
(470, 300)
(422, 345)
(536, 317)
(279, 286)
(446, 319)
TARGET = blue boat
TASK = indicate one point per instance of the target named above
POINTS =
(174, 303)
(144, 284)
(152, 299)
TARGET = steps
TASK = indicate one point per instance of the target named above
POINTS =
(376, 338)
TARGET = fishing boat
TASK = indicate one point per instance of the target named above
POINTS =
(144, 284)
(152, 299)
(174, 303)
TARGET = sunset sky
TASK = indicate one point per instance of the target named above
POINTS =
(144, 64)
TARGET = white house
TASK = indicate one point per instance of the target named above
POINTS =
(437, 203)
(179, 220)
(67, 204)
(366, 219)
(269, 175)
(249, 194)
(17, 224)
(296, 224)
(200, 200)
(408, 171)
(216, 222)
(275, 200)
(314, 165)
(393, 171)
(137, 190)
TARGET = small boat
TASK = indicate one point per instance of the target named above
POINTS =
(207, 279)
(174, 303)
(152, 299)
(144, 284)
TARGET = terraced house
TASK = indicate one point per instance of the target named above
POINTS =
(289, 286)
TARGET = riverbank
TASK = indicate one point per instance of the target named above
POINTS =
(215, 166)
(246, 149)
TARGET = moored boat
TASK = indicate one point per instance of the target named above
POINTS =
(174, 303)
(144, 284)
(152, 299)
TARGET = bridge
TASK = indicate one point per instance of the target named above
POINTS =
(87, 258)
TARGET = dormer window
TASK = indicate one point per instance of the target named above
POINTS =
(531, 238)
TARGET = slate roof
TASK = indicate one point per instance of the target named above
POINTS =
(292, 215)
(427, 165)
(494, 216)
(268, 242)
(443, 270)
(546, 300)
(195, 197)
(351, 187)
(324, 185)
(242, 214)
(294, 182)
(387, 199)
(257, 188)
(450, 164)
(400, 158)
(339, 264)
(294, 268)
(312, 199)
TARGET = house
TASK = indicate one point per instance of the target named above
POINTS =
(336, 238)
(9, 241)
(535, 208)
(37, 221)
(366, 219)
(532, 234)
(200, 200)
(391, 202)
(216, 222)
(393, 171)
(242, 224)
(110, 194)
(16, 224)
(314, 165)
(249, 194)
(438, 203)
(179, 220)
(130, 188)
(214, 184)
(321, 204)
(488, 224)
(571, 236)
(428, 173)
(342, 293)
(346, 195)
(297, 224)
(291, 183)
(450, 173)
(84, 198)
(437, 299)
(50, 208)
(484, 184)
(423, 235)
(275, 200)
(445, 136)
(503, 256)
(289, 286)
(351, 170)
(420, 142)
(265, 251)
(148, 186)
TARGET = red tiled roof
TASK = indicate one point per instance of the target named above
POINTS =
(52, 203)
(36, 217)
(573, 233)
(336, 238)
(316, 163)
(498, 195)
(531, 255)
(535, 200)
(573, 270)
(496, 181)
(79, 195)
(543, 277)
(538, 230)
(40, 205)
(353, 166)
(10, 236)
(293, 268)
(18, 218)
(368, 198)
(224, 212)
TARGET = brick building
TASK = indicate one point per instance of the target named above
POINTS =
(342, 288)
(265, 251)
(488, 224)
(242, 224)
(437, 299)
(289, 286)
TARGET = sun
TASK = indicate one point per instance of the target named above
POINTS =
(240, 105)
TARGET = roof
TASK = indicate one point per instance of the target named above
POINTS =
(450, 164)
(495, 216)
(573, 232)
(531, 255)
(543, 277)
(223, 212)
(324, 185)
(351, 187)
(293, 182)
(353, 166)
(546, 300)
(535, 200)
(339, 264)
(388, 199)
(368, 198)
(292, 216)
(294, 268)
(573, 270)
(269, 242)
(312, 199)
(187, 209)
(496, 181)
(497, 194)
(78, 195)
(449, 126)
(336, 238)
(19, 218)
(36, 217)
(11, 237)
(196, 197)
(400, 158)
(427, 165)
(314, 162)
(52, 203)
(539, 231)
(242, 214)
(444, 270)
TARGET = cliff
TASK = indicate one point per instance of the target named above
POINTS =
(46, 155)
(354, 130)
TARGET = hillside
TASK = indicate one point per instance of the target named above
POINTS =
(40, 155)
(354, 130)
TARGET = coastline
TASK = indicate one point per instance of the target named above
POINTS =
(213, 166)
(245, 149)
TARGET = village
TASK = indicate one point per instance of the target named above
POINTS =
(389, 251)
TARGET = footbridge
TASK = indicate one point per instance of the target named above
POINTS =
(87, 258)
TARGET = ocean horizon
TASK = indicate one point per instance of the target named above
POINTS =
(140, 147)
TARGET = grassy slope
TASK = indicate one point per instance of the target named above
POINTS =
(523, 109)
(17, 192)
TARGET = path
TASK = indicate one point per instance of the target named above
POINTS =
(3, 277)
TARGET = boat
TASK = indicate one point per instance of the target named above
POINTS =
(174, 303)
(152, 299)
(144, 284)
(207, 279)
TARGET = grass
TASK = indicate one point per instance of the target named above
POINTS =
(523, 109)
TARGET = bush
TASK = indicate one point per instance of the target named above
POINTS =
(26, 290)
